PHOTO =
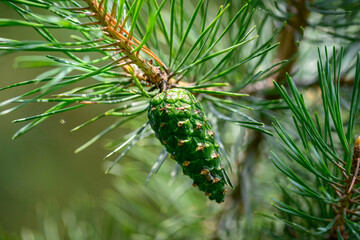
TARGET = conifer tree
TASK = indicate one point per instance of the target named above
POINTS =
(212, 81)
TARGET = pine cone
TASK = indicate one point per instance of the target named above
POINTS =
(180, 124)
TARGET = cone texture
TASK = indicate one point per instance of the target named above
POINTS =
(180, 124)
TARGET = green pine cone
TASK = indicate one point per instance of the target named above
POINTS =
(180, 124)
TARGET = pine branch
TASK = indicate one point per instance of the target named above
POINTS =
(329, 175)
(111, 32)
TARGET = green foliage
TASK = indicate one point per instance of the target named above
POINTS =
(332, 18)
(122, 53)
(320, 163)
(199, 52)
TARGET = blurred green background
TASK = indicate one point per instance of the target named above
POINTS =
(41, 166)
